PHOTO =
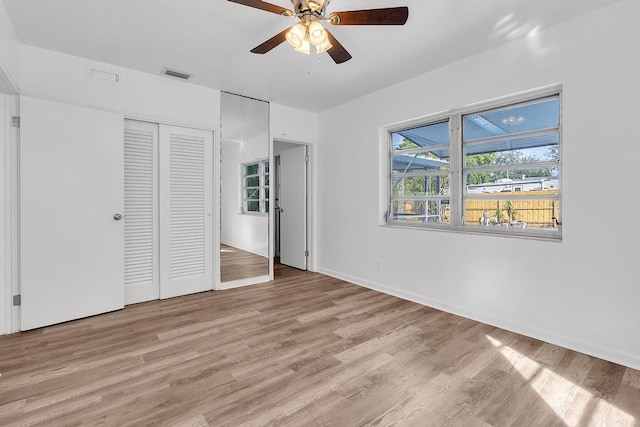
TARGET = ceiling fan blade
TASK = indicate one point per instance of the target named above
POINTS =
(263, 5)
(338, 53)
(385, 16)
(271, 43)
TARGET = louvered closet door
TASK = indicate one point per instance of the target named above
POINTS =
(141, 254)
(186, 206)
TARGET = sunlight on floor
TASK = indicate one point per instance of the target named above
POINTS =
(569, 401)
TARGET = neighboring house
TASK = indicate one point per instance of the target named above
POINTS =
(506, 185)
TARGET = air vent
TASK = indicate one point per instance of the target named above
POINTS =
(176, 74)
(103, 76)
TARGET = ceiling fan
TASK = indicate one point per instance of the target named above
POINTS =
(310, 32)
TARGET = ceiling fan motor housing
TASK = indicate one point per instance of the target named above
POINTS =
(309, 6)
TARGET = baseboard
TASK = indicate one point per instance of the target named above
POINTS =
(244, 249)
(243, 282)
(619, 357)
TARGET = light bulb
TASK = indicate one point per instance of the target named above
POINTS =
(305, 47)
(296, 35)
(317, 34)
(323, 47)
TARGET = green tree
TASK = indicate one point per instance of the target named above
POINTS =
(518, 157)
(481, 159)
(407, 144)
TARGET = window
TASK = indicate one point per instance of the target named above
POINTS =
(420, 174)
(491, 170)
(255, 187)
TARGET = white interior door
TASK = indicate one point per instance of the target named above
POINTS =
(71, 191)
(186, 206)
(141, 245)
(293, 205)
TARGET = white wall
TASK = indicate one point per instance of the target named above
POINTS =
(59, 77)
(8, 52)
(582, 293)
(290, 124)
(244, 231)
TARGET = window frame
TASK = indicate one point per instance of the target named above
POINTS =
(434, 120)
(457, 187)
(262, 187)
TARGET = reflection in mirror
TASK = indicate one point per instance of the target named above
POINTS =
(244, 188)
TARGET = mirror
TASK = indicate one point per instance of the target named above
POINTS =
(244, 189)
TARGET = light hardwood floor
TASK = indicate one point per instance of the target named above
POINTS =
(238, 264)
(303, 350)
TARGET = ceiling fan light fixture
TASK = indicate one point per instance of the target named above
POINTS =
(309, 31)
(296, 36)
(305, 47)
(317, 34)
(323, 47)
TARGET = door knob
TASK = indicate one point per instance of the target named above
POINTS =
(117, 217)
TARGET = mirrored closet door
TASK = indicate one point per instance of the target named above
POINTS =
(244, 190)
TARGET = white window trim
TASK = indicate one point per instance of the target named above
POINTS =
(454, 116)
(262, 187)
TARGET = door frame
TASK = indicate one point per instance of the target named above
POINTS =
(311, 204)
(9, 277)
(9, 261)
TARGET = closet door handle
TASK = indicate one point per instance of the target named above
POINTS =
(117, 217)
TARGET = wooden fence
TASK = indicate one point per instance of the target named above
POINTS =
(536, 213)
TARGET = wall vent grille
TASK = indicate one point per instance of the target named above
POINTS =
(176, 74)
(103, 76)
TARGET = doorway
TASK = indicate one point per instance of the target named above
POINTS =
(291, 193)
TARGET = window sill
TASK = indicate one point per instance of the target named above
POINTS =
(541, 235)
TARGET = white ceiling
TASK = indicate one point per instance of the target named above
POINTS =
(212, 39)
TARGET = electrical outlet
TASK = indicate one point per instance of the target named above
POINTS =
(378, 265)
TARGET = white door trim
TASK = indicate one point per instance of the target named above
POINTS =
(162, 120)
(9, 284)
(311, 204)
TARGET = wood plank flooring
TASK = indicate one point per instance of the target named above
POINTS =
(238, 264)
(303, 350)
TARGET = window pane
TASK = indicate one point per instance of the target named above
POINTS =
(424, 136)
(266, 193)
(266, 206)
(422, 161)
(253, 181)
(266, 167)
(539, 148)
(543, 114)
(520, 213)
(253, 194)
(421, 186)
(252, 169)
(420, 210)
(253, 206)
(526, 180)
(266, 179)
